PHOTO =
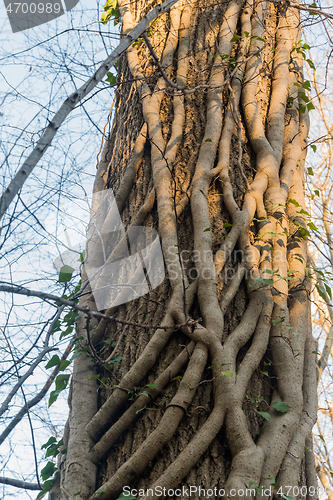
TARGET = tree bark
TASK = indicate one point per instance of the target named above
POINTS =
(207, 147)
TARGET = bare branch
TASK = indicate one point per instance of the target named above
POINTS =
(20, 484)
(70, 103)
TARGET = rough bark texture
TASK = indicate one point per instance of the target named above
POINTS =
(207, 147)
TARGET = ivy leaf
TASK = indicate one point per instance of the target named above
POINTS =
(310, 63)
(310, 171)
(321, 291)
(53, 397)
(111, 79)
(54, 361)
(280, 406)
(208, 140)
(264, 414)
(302, 108)
(306, 85)
(116, 360)
(151, 386)
(179, 377)
(235, 38)
(206, 230)
(82, 256)
(64, 364)
(310, 106)
(48, 470)
(144, 394)
(313, 147)
(46, 487)
(51, 440)
(61, 382)
(65, 274)
(294, 202)
(265, 281)
(126, 497)
(304, 96)
(328, 290)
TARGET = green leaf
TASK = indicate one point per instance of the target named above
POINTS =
(235, 38)
(46, 487)
(304, 212)
(264, 414)
(64, 364)
(313, 226)
(294, 202)
(61, 381)
(151, 386)
(310, 106)
(82, 256)
(66, 332)
(306, 85)
(226, 224)
(54, 361)
(75, 495)
(116, 360)
(265, 281)
(206, 230)
(280, 406)
(100, 491)
(208, 140)
(316, 192)
(321, 291)
(144, 394)
(51, 440)
(328, 290)
(302, 108)
(313, 147)
(228, 373)
(251, 483)
(53, 397)
(48, 470)
(65, 274)
(310, 63)
(111, 79)
(126, 497)
(57, 326)
(264, 373)
(310, 171)
(179, 377)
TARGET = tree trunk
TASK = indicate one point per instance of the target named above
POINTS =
(208, 148)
